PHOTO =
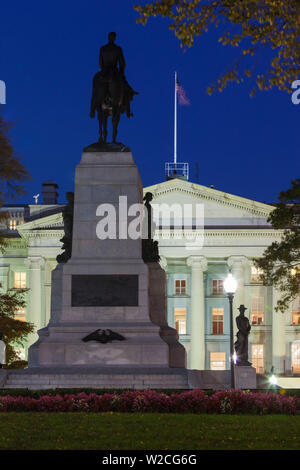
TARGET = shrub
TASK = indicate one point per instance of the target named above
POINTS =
(150, 401)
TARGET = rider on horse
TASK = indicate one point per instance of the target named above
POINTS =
(111, 92)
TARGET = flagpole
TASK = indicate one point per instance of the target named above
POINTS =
(175, 123)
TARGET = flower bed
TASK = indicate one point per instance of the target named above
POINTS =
(194, 401)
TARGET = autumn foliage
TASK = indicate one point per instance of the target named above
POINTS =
(257, 28)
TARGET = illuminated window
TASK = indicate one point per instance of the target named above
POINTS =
(12, 224)
(296, 312)
(295, 271)
(20, 314)
(217, 361)
(296, 358)
(21, 353)
(257, 310)
(217, 287)
(258, 357)
(217, 321)
(180, 287)
(20, 280)
(180, 320)
(255, 274)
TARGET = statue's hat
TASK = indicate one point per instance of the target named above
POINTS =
(242, 307)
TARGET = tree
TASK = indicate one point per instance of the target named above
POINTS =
(14, 331)
(255, 26)
(12, 176)
(280, 263)
(12, 172)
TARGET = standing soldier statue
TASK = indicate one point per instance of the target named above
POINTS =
(241, 344)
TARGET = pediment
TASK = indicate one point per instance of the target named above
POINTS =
(220, 208)
(46, 224)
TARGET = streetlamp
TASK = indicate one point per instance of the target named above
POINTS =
(230, 285)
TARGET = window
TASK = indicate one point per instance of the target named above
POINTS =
(20, 314)
(20, 281)
(295, 271)
(21, 353)
(296, 358)
(255, 274)
(12, 224)
(257, 310)
(257, 354)
(217, 321)
(217, 361)
(217, 287)
(180, 287)
(180, 320)
(296, 312)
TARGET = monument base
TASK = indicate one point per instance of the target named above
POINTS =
(245, 377)
(43, 378)
(108, 325)
(126, 377)
(3, 377)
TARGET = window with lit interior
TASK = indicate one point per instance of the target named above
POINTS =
(217, 361)
(295, 358)
(296, 312)
(20, 280)
(12, 224)
(180, 320)
(21, 353)
(257, 310)
(20, 314)
(257, 355)
(255, 274)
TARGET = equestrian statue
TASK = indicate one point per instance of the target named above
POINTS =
(111, 94)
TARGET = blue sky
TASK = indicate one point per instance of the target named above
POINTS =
(48, 56)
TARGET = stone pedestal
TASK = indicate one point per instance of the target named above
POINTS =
(245, 377)
(3, 377)
(107, 285)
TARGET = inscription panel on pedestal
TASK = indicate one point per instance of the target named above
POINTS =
(105, 290)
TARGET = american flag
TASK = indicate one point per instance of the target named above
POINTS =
(181, 93)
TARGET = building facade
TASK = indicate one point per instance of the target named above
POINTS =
(196, 258)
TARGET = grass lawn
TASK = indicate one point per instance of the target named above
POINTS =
(130, 431)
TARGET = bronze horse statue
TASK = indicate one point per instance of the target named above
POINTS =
(111, 92)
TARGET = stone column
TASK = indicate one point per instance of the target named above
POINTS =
(278, 336)
(49, 266)
(4, 272)
(34, 306)
(198, 264)
(237, 265)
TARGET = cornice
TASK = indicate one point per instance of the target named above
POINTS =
(179, 234)
(15, 244)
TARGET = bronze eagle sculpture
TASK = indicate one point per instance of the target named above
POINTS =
(103, 336)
